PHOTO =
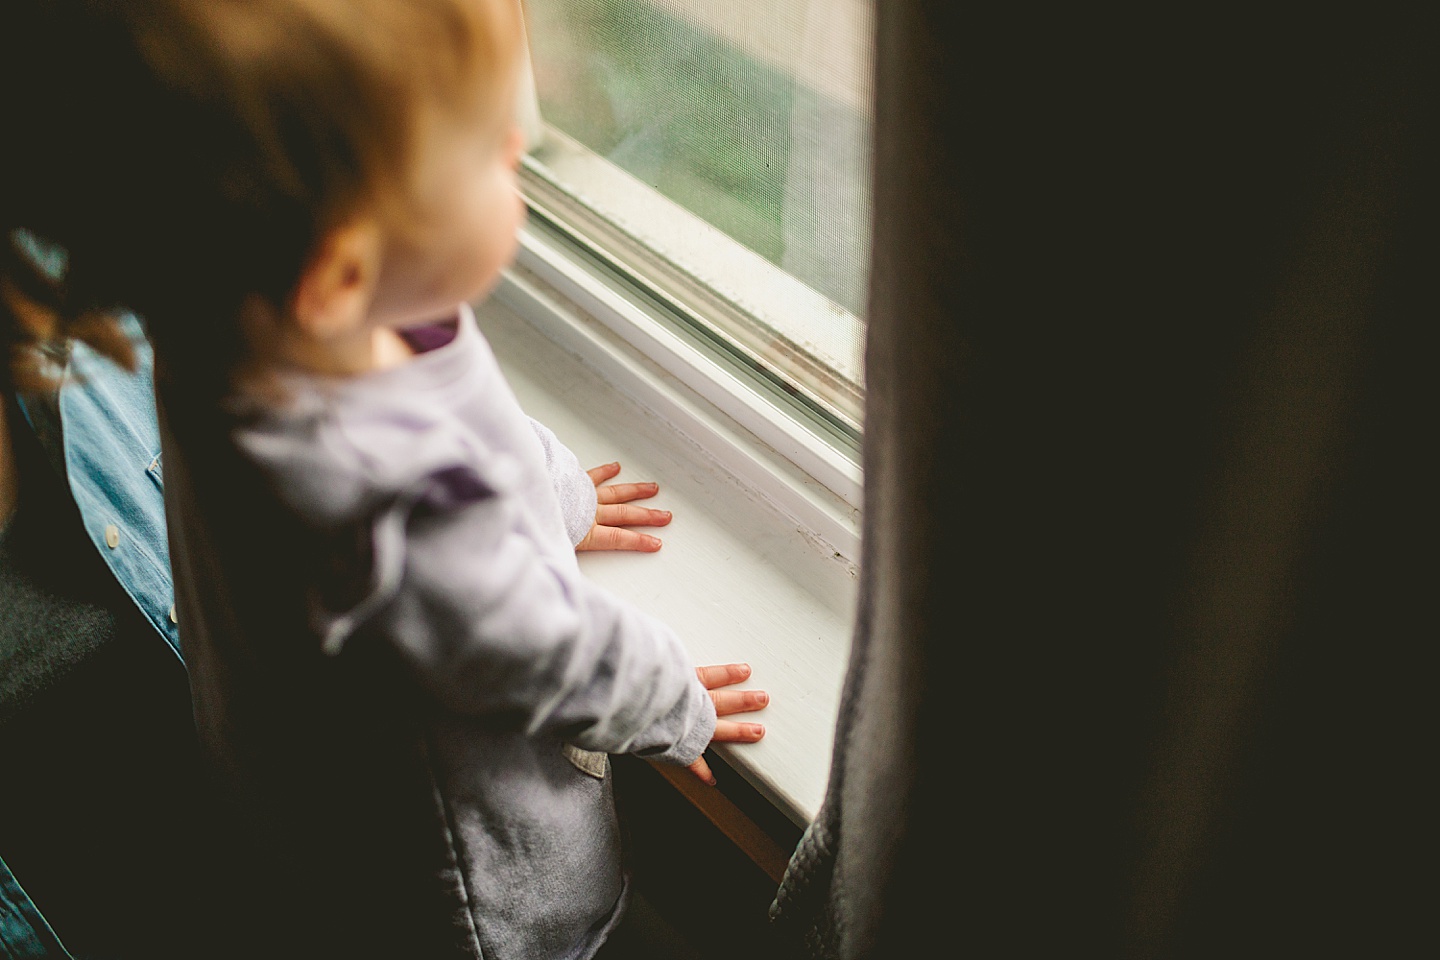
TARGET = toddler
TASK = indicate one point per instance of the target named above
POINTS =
(406, 687)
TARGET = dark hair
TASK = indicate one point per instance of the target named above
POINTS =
(187, 155)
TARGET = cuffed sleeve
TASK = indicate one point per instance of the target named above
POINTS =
(573, 486)
(494, 627)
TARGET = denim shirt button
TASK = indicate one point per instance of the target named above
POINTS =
(112, 536)
(173, 618)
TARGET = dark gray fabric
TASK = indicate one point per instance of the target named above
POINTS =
(1135, 671)
(53, 613)
(45, 637)
(101, 788)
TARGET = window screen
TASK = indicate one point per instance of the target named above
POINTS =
(730, 141)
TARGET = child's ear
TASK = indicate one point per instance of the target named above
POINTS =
(337, 286)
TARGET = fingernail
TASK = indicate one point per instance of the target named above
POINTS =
(756, 730)
(759, 699)
(653, 541)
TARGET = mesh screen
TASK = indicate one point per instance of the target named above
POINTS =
(753, 114)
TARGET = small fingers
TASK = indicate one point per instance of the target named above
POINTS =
(625, 515)
(625, 492)
(618, 538)
(737, 731)
(701, 769)
(723, 674)
(738, 701)
(603, 472)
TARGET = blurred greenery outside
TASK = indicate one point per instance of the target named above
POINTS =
(704, 123)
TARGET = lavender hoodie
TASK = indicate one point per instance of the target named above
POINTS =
(405, 683)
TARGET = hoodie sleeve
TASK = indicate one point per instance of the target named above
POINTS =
(573, 486)
(495, 627)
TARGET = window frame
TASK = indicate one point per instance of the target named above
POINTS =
(759, 563)
(732, 447)
(812, 366)
(783, 455)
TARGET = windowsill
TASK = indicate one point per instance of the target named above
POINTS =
(758, 565)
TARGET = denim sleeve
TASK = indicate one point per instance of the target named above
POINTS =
(101, 432)
(24, 934)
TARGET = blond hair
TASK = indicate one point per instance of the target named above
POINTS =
(188, 155)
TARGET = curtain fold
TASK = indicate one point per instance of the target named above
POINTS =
(1137, 663)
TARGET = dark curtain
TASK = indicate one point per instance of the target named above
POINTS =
(1138, 666)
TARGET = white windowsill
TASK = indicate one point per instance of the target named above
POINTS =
(759, 562)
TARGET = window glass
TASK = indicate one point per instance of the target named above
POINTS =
(729, 141)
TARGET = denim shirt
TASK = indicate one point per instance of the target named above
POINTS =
(100, 426)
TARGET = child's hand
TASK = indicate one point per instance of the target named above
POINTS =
(726, 703)
(615, 514)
